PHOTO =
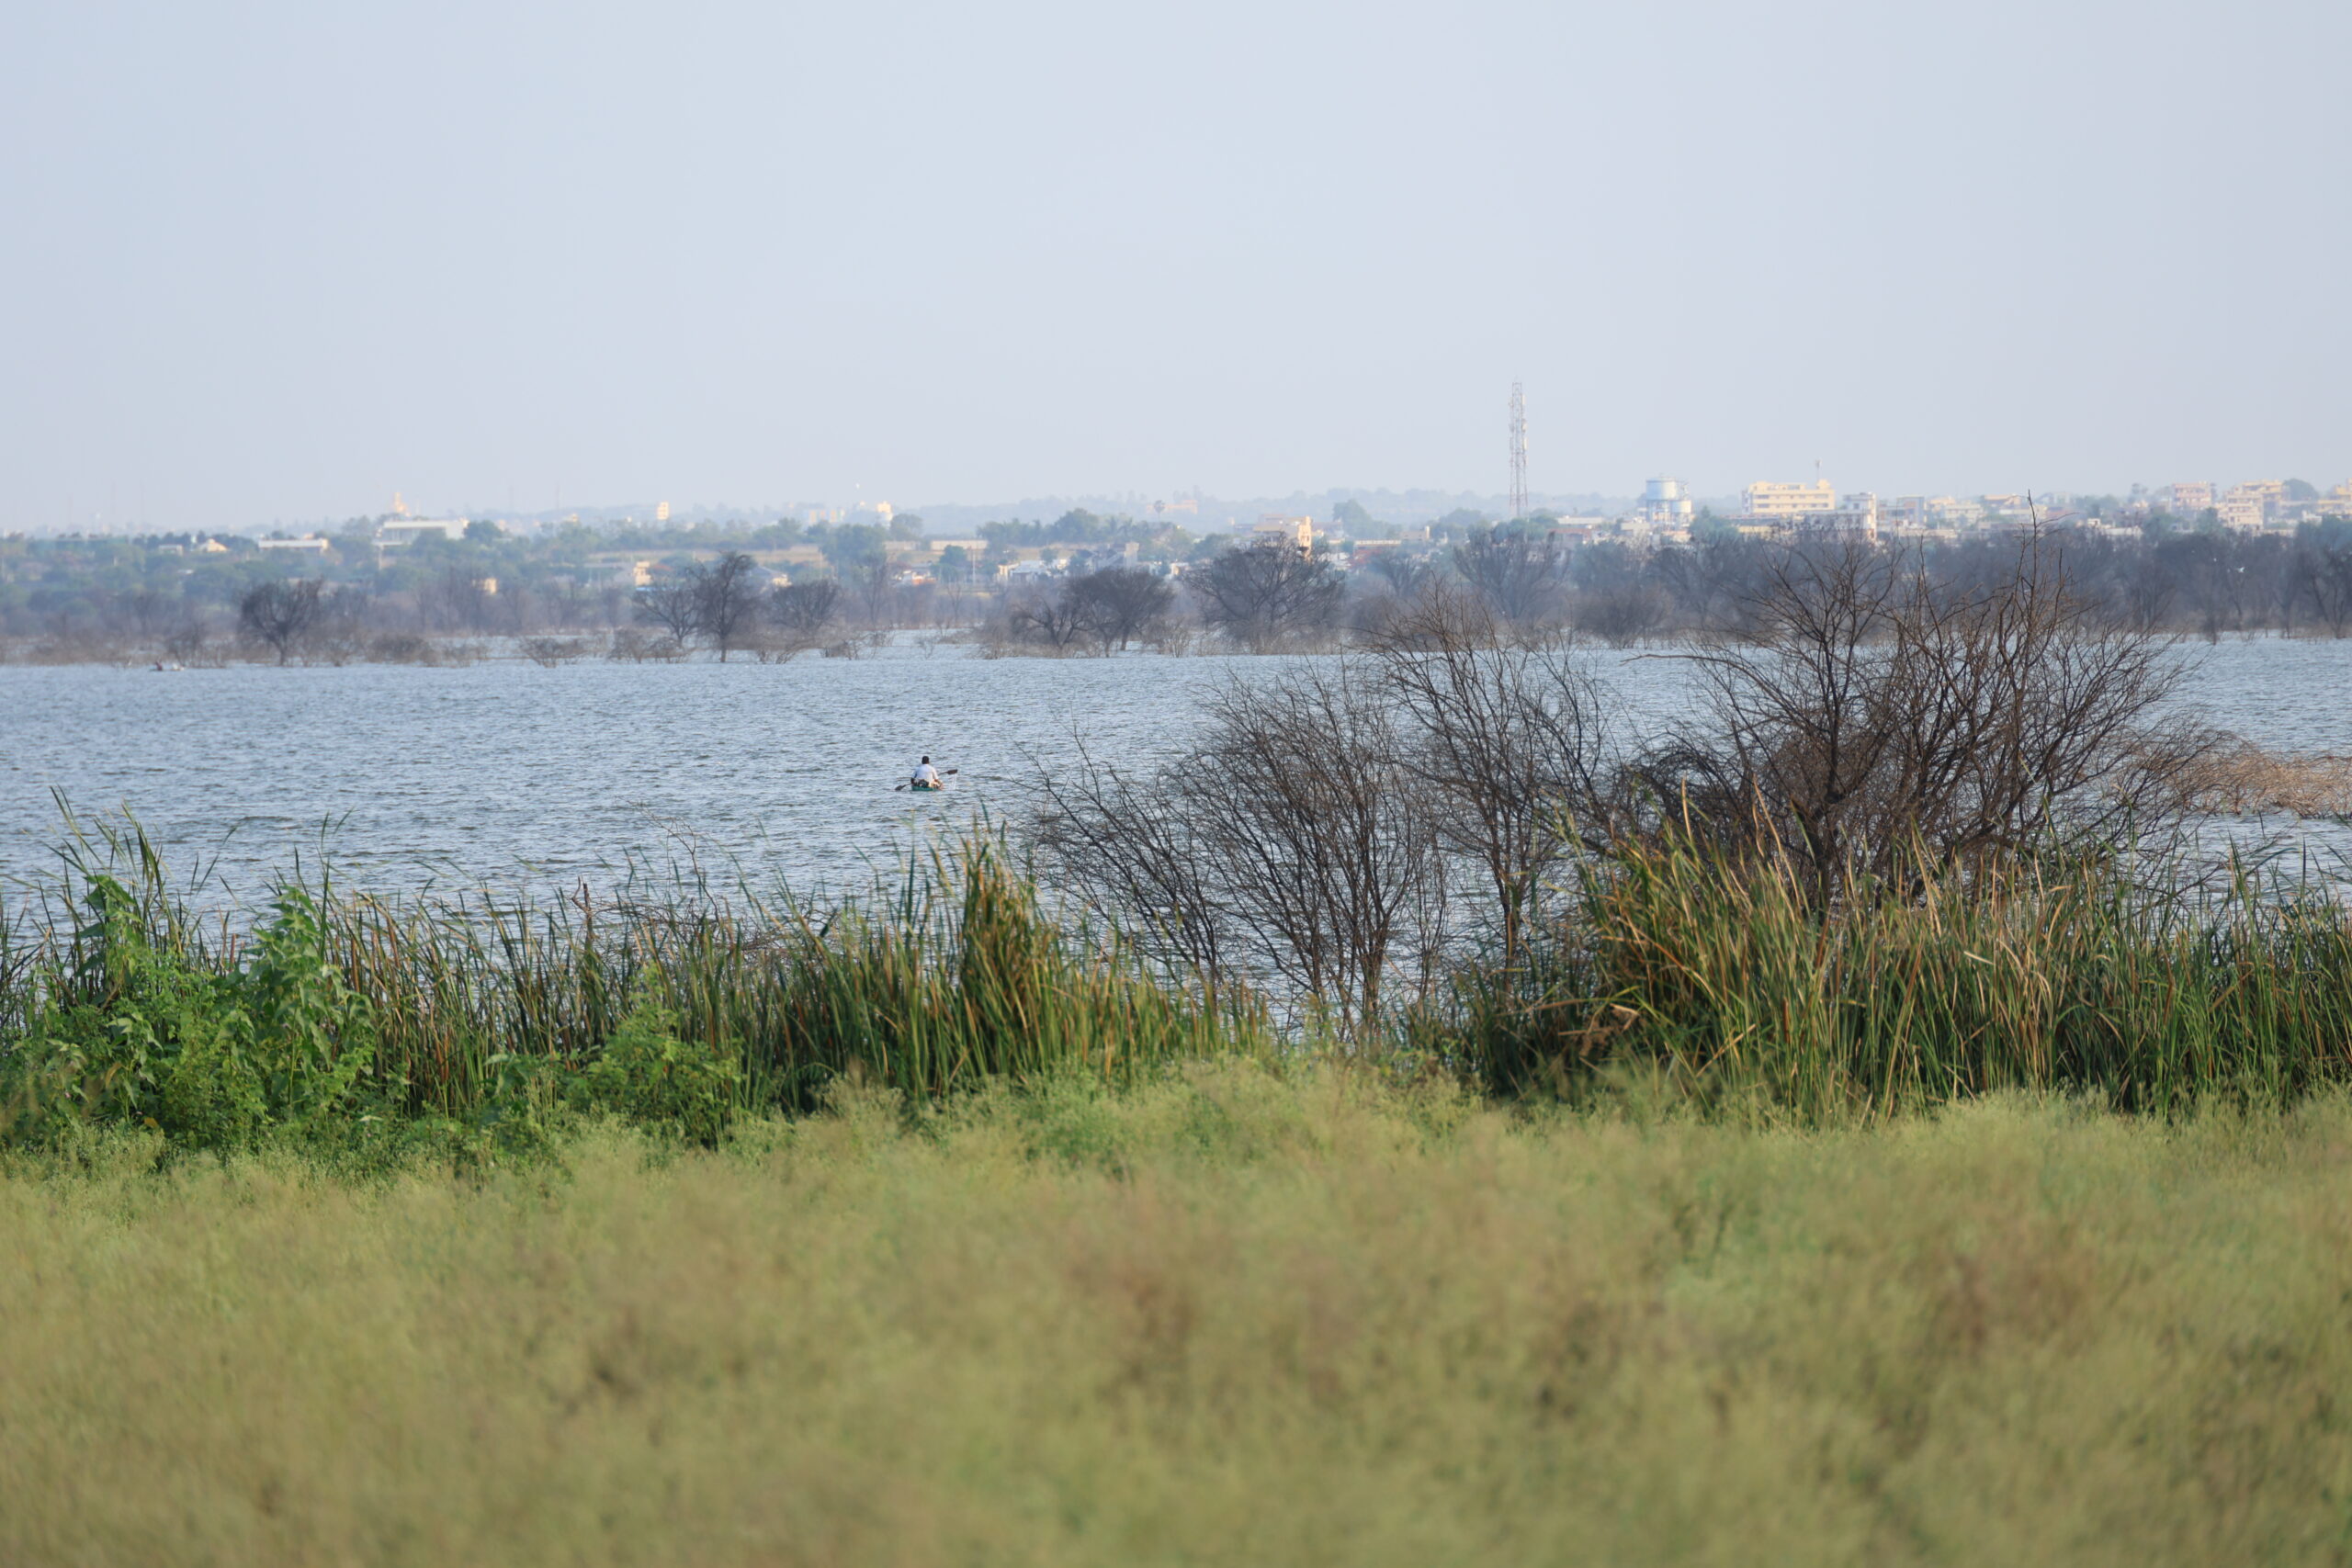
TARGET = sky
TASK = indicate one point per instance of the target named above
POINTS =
(269, 261)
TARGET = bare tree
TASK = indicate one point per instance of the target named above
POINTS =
(871, 586)
(1119, 603)
(804, 611)
(1290, 834)
(1404, 575)
(1621, 616)
(1877, 715)
(1049, 616)
(454, 599)
(338, 634)
(279, 613)
(727, 600)
(2324, 574)
(1266, 597)
(1506, 743)
(150, 613)
(1519, 575)
(1145, 866)
(674, 605)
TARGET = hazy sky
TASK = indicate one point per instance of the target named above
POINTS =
(279, 260)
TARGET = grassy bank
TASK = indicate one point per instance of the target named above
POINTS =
(1665, 971)
(1220, 1316)
(678, 1009)
(1722, 982)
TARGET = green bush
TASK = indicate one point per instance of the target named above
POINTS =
(647, 1075)
(140, 1032)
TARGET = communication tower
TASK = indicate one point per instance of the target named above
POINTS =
(1518, 451)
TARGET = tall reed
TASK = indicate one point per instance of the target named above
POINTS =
(1724, 974)
(949, 977)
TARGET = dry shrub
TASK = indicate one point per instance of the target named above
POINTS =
(631, 646)
(2247, 780)
(403, 648)
(550, 651)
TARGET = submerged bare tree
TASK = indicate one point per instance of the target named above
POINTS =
(674, 605)
(1288, 836)
(1337, 819)
(1521, 577)
(1874, 714)
(1268, 597)
(803, 613)
(1046, 617)
(1120, 603)
(279, 613)
(725, 600)
(1505, 741)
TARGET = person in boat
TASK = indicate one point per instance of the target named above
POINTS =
(926, 777)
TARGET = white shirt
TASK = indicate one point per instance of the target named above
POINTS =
(926, 774)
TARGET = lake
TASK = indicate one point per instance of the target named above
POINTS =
(507, 774)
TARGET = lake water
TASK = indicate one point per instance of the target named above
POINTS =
(517, 776)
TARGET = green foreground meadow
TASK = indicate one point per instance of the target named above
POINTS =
(1227, 1314)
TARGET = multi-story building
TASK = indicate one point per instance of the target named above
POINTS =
(1812, 509)
(2251, 506)
(1768, 501)
(1855, 514)
(2187, 498)
(399, 530)
(1275, 530)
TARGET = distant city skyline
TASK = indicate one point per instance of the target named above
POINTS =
(1204, 511)
(494, 255)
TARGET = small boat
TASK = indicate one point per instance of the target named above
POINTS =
(926, 789)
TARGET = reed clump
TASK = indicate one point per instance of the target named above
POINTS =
(2245, 779)
(680, 1011)
(1676, 967)
(1721, 977)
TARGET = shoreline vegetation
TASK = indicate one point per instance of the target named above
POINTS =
(1925, 844)
(1846, 1130)
(1083, 585)
(1673, 979)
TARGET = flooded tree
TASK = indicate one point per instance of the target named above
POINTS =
(1520, 574)
(1874, 715)
(674, 605)
(803, 612)
(278, 614)
(1265, 598)
(1119, 603)
(1287, 838)
(725, 600)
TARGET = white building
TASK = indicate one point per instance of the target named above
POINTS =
(402, 531)
(1769, 500)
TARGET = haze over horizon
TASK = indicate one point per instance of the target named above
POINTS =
(285, 263)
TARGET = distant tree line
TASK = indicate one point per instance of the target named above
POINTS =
(1124, 586)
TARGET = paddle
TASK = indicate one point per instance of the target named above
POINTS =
(944, 773)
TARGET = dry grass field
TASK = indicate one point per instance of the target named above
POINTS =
(1224, 1317)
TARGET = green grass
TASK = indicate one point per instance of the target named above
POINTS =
(1221, 1315)
(1668, 972)
(1720, 982)
(678, 1007)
